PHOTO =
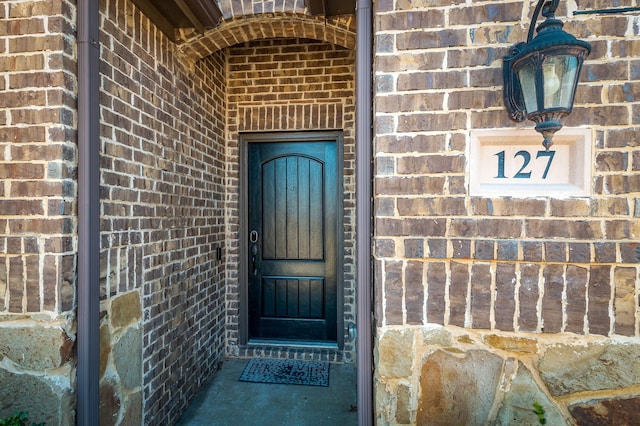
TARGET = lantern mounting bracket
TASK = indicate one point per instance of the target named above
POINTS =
(613, 10)
(548, 8)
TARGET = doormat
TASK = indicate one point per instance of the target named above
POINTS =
(287, 372)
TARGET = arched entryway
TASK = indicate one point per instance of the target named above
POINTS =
(172, 118)
(286, 74)
(289, 85)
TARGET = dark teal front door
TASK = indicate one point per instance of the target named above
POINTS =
(292, 240)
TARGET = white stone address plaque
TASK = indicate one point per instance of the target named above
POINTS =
(514, 163)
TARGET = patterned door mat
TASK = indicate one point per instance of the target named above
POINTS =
(285, 371)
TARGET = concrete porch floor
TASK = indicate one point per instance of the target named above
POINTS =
(227, 401)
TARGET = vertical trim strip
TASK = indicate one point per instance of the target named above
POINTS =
(364, 59)
(88, 343)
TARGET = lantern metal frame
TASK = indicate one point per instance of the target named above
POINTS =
(551, 41)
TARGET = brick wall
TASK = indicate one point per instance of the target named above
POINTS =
(487, 304)
(162, 188)
(247, 20)
(37, 207)
(37, 158)
(170, 184)
(514, 264)
(232, 8)
(296, 84)
(338, 30)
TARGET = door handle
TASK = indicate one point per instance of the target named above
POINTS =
(253, 238)
(254, 254)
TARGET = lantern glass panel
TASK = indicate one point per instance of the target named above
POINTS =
(559, 73)
(527, 78)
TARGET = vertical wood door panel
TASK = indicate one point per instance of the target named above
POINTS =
(292, 207)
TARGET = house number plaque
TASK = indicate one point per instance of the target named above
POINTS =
(514, 163)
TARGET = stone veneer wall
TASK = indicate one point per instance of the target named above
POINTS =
(296, 84)
(447, 375)
(552, 282)
(37, 208)
(163, 220)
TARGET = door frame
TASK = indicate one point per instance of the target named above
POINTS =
(243, 233)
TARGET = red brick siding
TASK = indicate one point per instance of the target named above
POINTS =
(289, 84)
(249, 7)
(543, 264)
(37, 158)
(338, 30)
(162, 210)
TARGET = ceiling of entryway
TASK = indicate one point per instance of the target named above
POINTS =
(169, 15)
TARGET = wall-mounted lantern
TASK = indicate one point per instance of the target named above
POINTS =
(541, 75)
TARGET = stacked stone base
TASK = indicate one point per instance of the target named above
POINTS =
(121, 360)
(37, 373)
(449, 376)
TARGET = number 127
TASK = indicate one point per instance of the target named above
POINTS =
(526, 159)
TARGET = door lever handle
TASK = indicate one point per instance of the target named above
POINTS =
(254, 253)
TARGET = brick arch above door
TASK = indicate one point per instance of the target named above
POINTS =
(339, 31)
